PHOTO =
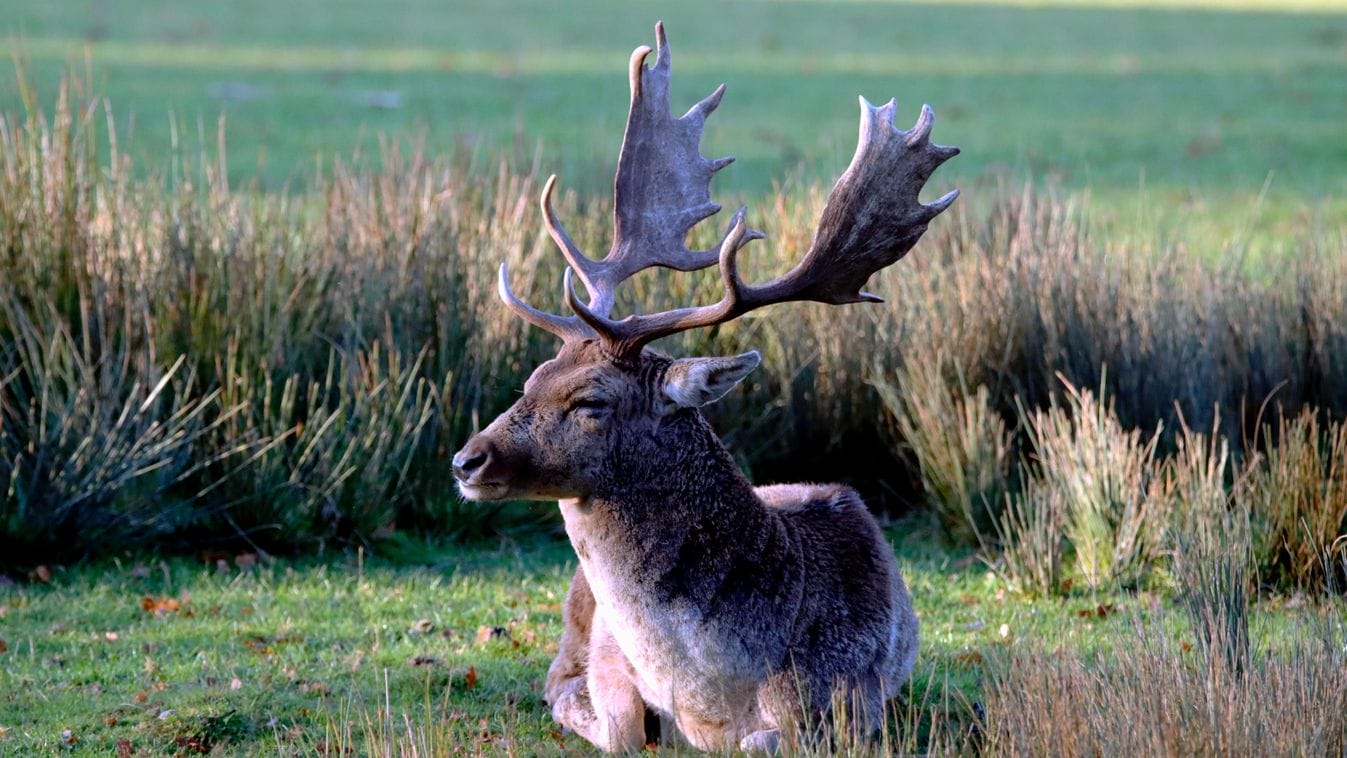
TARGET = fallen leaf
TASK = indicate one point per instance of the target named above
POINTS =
(160, 605)
(1104, 610)
(4, 646)
(488, 633)
(141, 697)
(422, 626)
(423, 660)
(1186, 646)
(110, 721)
(124, 749)
(470, 678)
(68, 737)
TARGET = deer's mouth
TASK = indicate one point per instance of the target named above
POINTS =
(483, 490)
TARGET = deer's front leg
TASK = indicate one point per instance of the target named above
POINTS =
(570, 669)
(619, 711)
(590, 684)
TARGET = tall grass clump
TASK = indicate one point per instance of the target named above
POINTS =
(1296, 493)
(93, 449)
(1100, 473)
(1212, 560)
(961, 445)
(1031, 533)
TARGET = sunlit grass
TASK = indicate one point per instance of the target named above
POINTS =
(1201, 99)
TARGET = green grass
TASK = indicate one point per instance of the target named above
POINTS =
(285, 655)
(1197, 102)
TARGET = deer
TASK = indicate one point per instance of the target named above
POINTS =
(729, 611)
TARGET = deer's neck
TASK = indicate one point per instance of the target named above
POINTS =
(672, 521)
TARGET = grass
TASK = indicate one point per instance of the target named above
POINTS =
(1190, 106)
(301, 656)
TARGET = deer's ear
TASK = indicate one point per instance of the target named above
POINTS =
(694, 382)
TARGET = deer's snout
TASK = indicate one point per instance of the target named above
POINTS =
(473, 458)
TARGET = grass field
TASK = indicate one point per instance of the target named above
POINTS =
(309, 657)
(1199, 101)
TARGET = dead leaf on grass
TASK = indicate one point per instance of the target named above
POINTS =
(470, 678)
(124, 749)
(4, 646)
(488, 633)
(422, 626)
(160, 605)
(423, 660)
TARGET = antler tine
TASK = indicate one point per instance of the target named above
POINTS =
(566, 327)
(872, 218)
(590, 270)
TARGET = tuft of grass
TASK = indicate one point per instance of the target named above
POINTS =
(960, 443)
(1099, 472)
(1296, 492)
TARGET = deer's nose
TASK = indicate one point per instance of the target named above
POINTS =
(472, 458)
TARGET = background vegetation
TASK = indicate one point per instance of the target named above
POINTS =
(1108, 387)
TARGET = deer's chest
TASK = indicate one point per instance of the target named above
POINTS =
(678, 650)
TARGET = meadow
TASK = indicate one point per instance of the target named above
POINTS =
(247, 312)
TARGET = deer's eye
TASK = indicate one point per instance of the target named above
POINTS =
(588, 406)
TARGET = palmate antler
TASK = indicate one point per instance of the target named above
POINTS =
(872, 218)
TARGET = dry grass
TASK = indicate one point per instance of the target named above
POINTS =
(1150, 696)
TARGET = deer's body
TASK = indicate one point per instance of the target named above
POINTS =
(731, 611)
(723, 676)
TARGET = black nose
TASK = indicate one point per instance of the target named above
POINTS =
(470, 459)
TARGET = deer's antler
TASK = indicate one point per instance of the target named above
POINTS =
(872, 218)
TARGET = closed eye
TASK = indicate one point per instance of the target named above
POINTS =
(588, 404)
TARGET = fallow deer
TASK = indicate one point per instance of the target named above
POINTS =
(727, 609)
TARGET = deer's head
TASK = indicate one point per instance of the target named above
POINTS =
(605, 396)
